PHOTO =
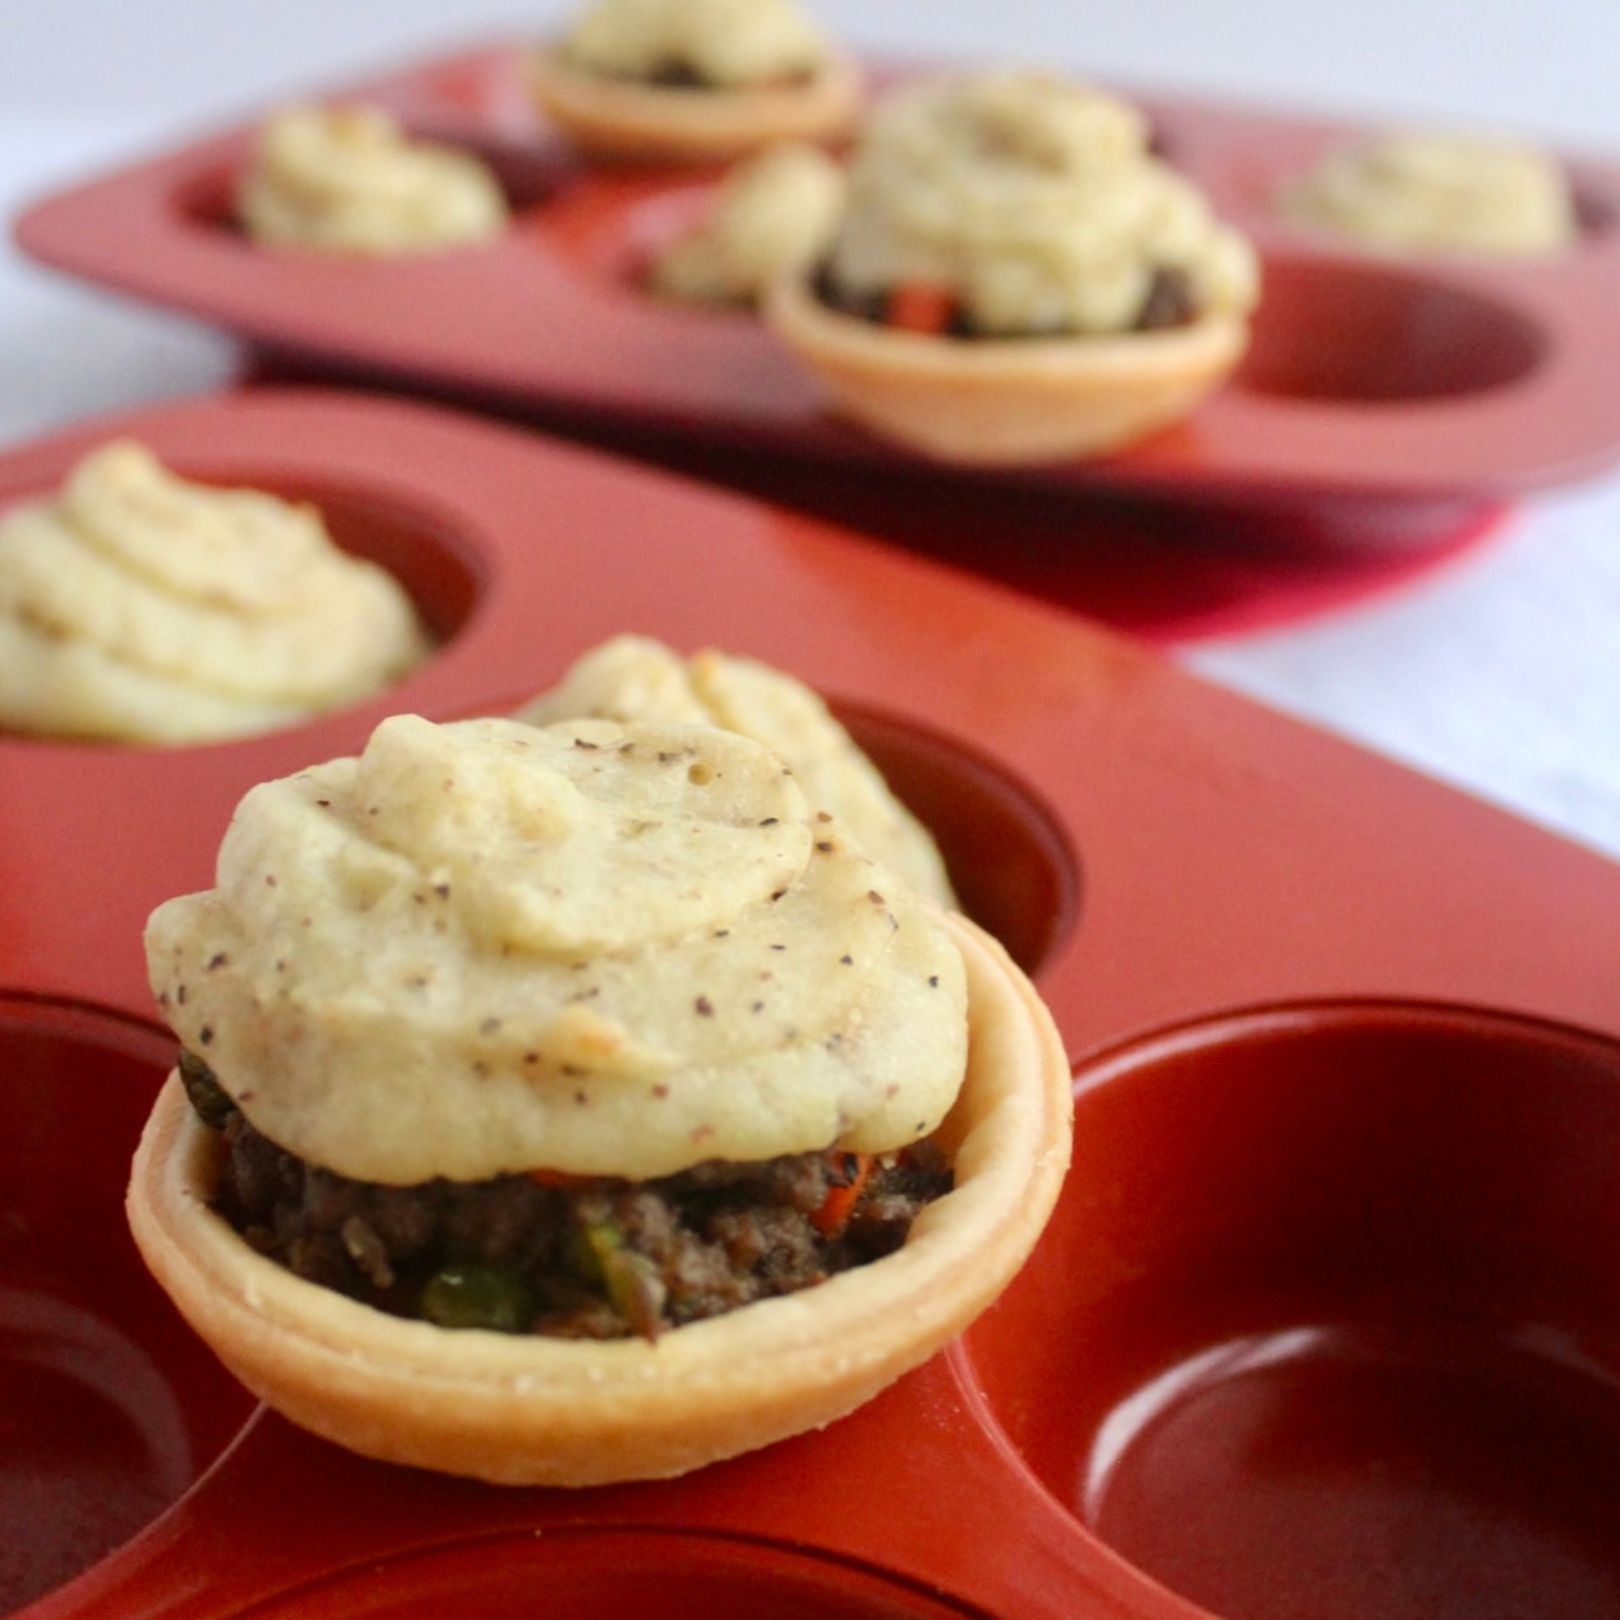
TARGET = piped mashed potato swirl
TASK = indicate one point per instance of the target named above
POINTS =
(635, 678)
(1440, 193)
(725, 44)
(591, 948)
(347, 180)
(773, 213)
(135, 605)
(1035, 203)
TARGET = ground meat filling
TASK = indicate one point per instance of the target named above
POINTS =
(677, 75)
(1171, 301)
(570, 1257)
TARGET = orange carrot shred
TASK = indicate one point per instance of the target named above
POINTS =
(921, 306)
(836, 1208)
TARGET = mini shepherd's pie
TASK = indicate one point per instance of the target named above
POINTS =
(694, 80)
(348, 180)
(1440, 193)
(634, 678)
(773, 213)
(1016, 277)
(575, 1103)
(138, 606)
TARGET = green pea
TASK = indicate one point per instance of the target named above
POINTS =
(475, 1296)
(208, 1098)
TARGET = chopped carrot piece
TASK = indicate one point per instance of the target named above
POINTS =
(921, 306)
(557, 1178)
(836, 1208)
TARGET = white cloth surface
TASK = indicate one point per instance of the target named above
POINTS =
(1499, 675)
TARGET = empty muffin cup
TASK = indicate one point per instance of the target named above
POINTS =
(1325, 1324)
(110, 1407)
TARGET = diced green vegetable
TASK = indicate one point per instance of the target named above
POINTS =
(631, 1282)
(476, 1296)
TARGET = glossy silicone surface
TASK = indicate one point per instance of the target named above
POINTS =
(1324, 1326)
(1381, 394)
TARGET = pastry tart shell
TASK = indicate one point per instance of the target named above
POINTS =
(527, 1410)
(1005, 401)
(620, 120)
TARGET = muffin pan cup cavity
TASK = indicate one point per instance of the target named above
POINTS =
(108, 1408)
(1364, 1143)
(1511, 384)
(1327, 1322)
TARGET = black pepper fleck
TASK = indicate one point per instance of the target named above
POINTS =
(933, 981)
(848, 961)
(180, 996)
(876, 898)
(770, 821)
(590, 747)
(825, 846)
(205, 1035)
(217, 960)
(704, 1007)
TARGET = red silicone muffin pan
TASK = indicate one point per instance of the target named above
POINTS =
(1387, 397)
(1324, 1327)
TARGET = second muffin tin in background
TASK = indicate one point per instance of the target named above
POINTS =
(1399, 391)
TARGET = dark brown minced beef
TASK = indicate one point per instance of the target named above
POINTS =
(1171, 301)
(599, 1258)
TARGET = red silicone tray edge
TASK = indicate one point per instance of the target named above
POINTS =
(1229, 858)
(546, 318)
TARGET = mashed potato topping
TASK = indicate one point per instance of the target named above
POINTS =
(1440, 193)
(1035, 203)
(636, 678)
(773, 213)
(136, 605)
(346, 180)
(590, 947)
(723, 43)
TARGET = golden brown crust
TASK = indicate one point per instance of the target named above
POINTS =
(541, 1411)
(1005, 401)
(620, 120)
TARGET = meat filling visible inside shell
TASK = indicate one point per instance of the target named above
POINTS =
(564, 1256)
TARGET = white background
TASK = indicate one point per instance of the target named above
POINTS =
(1503, 676)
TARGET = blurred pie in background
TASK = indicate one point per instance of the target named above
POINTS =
(692, 81)
(348, 180)
(1439, 193)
